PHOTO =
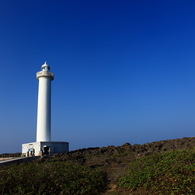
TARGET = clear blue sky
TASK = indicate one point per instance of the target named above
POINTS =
(124, 70)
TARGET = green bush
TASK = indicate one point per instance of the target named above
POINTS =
(168, 173)
(50, 178)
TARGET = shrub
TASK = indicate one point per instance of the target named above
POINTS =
(50, 178)
(167, 173)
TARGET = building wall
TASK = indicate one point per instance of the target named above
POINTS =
(54, 147)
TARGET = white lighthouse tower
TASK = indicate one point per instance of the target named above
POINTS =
(43, 144)
(44, 104)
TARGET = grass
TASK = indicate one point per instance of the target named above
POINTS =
(50, 178)
(168, 173)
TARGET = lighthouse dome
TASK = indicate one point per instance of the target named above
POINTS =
(45, 67)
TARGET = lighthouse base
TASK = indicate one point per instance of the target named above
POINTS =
(44, 148)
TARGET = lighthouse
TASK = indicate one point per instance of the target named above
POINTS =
(44, 104)
(43, 144)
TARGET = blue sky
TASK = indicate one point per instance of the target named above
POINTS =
(124, 70)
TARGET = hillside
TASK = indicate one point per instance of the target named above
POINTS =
(113, 161)
(117, 167)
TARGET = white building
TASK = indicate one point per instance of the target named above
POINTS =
(43, 144)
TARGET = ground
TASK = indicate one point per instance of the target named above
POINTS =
(113, 161)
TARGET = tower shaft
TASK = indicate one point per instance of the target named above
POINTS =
(44, 104)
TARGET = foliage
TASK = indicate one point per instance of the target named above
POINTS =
(50, 178)
(6, 155)
(168, 173)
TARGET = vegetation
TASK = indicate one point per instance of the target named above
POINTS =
(6, 155)
(158, 173)
(168, 173)
(50, 178)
